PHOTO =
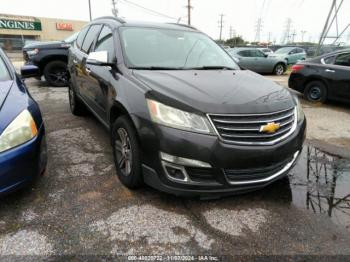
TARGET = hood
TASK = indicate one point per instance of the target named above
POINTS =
(5, 87)
(46, 45)
(217, 91)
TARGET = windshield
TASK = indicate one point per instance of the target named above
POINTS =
(172, 49)
(71, 39)
(4, 73)
(284, 50)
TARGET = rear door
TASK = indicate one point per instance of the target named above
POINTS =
(75, 60)
(261, 62)
(338, 74)
(247, 60)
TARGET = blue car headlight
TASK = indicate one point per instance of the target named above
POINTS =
(19, 131)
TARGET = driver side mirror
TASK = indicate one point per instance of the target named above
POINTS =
(99, 58)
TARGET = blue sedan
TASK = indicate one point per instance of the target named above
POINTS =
(22, 133)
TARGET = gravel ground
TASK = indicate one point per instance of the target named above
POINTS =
(79, 208)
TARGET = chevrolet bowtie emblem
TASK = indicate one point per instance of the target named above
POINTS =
(270, 128)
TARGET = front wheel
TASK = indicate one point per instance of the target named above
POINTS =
(126, 151)
(279, 69)
(316, 91)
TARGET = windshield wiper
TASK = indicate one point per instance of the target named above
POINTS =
(210, 68)
(155, 68)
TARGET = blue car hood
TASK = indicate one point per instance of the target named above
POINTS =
(5, 87)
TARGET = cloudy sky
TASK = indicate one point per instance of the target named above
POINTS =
(241, 15)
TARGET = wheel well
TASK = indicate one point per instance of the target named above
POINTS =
(49, 59)
(309, 80)
(117, 111)
(280, 63)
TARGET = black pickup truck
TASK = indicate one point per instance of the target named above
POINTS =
(51, 58)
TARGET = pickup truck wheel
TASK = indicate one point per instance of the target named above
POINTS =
(126, 151)
(56, 73)
(279, 69)
(76, 106)
(315, 91)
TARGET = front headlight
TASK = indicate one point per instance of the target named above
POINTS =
(21, 130)
(300, 112)
(33, 52)
(172, 117)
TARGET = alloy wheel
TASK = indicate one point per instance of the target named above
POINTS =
(123, 151)
(315, 93)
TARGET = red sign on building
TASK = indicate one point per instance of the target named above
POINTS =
(64, 26)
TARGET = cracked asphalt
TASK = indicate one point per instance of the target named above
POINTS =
(79, 208)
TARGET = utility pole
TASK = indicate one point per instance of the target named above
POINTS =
(269, 38)
(221, 25)
(90, 10)
(293, 36)
(258, 28)
(303, 32)
(286, 34)
(189, 7)
(114, 8)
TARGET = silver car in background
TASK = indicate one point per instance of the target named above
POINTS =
(255, 60)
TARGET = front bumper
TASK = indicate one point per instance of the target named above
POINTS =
(22, 164)
(227, 162)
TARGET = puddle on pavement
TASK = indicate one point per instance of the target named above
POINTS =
(320, 183)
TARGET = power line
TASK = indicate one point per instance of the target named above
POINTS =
(148, 10)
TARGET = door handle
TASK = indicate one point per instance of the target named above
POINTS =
(330, 71)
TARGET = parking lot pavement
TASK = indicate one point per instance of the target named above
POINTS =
(80, 208)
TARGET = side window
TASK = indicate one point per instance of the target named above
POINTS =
(4, 73)
(243, 53)
(90, 38)
(105, 42)
(343, 59)
(293, 51)
(328, 60)
(258, 53)
(81, 37)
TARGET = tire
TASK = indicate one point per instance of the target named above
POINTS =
(316, 91)
(76, 105)
(279, 69)
(126, 146)
(56, 73)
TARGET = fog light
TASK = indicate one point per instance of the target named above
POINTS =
(175, 173)
(183, 161)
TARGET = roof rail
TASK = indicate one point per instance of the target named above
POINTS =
(122, 21)
(184, 25)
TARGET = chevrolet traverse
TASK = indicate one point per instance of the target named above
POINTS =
(183, 117)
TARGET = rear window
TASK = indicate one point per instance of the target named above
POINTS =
(343, 59)
(4, 73)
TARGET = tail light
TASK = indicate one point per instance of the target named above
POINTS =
(297, 68)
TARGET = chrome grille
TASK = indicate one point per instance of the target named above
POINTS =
(245, 128)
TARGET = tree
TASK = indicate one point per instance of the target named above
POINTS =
(235, 41)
